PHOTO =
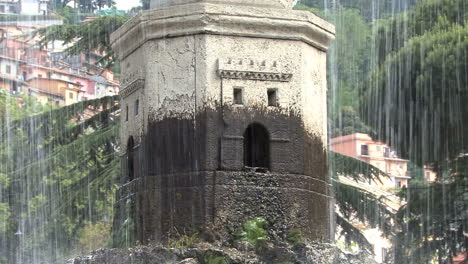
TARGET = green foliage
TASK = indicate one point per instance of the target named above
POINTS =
(94, 236)
(253, 231)
(435, 217)
(353, 168)
(215, 260)
(353, 201)
(184, 241)
(37, 203)
(4, 217)
(421, 86)
(416, 101)
(294, 236)
(60, 171)
(90, 36)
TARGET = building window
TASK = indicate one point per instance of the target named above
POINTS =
(8, 69)
(238, 96)
(386, 152)
(2, 9)
(130, 159)
(364, 150)
(257, 147)
(398, 184)
(126, 113)
(39, 75)
(137, 107)
(272, 97)
(70, 95)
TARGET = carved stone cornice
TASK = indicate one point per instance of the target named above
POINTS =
(258, 76)
(132, 87)
(222, 19)
(258, 70)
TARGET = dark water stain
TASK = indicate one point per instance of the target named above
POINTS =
(191, 176)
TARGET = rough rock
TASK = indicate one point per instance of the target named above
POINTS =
(315, 253)
(189, 261)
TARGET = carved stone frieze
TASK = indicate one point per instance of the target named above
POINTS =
(132, 76)
(132, 87)
(248, 69)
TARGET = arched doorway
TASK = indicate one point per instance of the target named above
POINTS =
(130, 159)
(257, 146)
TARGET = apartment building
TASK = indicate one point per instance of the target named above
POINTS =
(362, 147)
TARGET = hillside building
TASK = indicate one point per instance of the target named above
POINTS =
(362, 147)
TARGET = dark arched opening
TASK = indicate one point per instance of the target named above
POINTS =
(257, 146)
(130, 159)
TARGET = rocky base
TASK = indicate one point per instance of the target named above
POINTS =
(205, 253)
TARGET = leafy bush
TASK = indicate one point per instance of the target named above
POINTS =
(253, 231)
(216, 260)
(94, 236)
(294, 236)
(184, 241)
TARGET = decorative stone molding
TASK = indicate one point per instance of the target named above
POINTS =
(132, 87)
(221, 19)
(248, 69)
(129, 78)
(259, 76)
(270, 3)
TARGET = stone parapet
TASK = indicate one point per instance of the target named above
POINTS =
(222, 19)
(267, 3)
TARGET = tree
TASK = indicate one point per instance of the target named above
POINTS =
(90, 36)
(85, 6)
(416, 101)
(57, 175)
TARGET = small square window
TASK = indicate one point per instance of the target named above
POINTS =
(237, 96)
(70, 95)
(272, 97)
(8, 69)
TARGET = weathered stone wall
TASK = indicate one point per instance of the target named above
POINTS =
(182, 64)
(269, 3)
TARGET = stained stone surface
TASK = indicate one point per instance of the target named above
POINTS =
(180, 65)
(300, 254)
(268, 3)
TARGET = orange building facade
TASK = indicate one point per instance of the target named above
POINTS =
(56, 91)
(378, 154)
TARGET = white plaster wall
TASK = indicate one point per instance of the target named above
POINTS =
(271, 3)
(181, 76)
(285, 52)
(134, 126)
(30, 7)
(13, 66)
(314, 90)
(171, 77)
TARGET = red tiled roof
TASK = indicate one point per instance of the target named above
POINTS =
(461, 257)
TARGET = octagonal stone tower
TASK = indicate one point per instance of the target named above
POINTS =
(223, 119)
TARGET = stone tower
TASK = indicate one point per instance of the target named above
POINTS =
(224, 118)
